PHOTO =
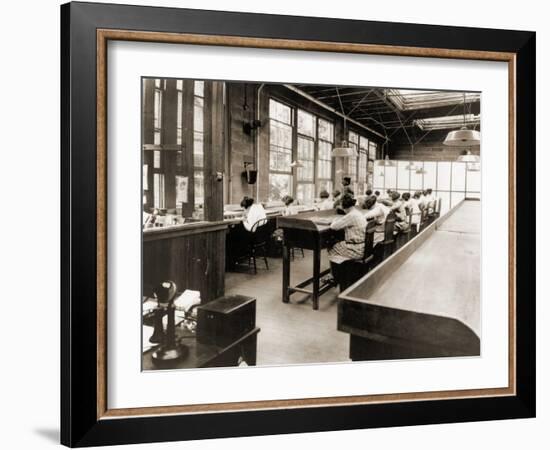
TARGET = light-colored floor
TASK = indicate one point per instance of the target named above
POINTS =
(291, 333)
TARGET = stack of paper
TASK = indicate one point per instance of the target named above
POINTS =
(187, 300)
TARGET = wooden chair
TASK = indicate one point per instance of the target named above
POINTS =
(401, 233)
(350, 271)
(414, 227)
(424, 220)
(385, 248)
(259, 237)
(437, 210)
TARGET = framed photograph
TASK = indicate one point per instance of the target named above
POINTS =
(277, 224)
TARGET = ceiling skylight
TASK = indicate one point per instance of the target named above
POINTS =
(446, 122)
(406, 99)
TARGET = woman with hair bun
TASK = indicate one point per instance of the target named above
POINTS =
(354, 225)
(253, 212)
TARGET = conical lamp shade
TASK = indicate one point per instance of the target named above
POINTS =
(344, 151)
(462, 138)
(468, 158)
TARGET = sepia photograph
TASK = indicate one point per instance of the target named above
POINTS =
(292, 224)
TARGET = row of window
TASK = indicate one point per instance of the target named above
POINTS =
(181, 180)
(450, 180)
(314, 143)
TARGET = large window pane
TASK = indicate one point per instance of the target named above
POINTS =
(198, 149)
(324, 164)
(390, 179)
(279, 186)
(158, 190)
(305, 193)
(430, 174)
(326, 130)
(280, 112)
(198, 118)
(306, 158)
(182, 190)
(324, 185)
(280, 134)
(306, 123)
(280, 150)
(443, 176)
(459, 176)
(417, 177)
(378, 176)
(199, 88)
(372, 151)
(403, 174)
(473, 181)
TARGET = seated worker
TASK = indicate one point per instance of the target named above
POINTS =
(326, 203)
(424, 200)
(378, 212)
(412, 207)
(388, 195)
(398, 207)
(368, 192)
(354, 225)
(288, 201)
(346, 190)
(346, 185)
(252, 213)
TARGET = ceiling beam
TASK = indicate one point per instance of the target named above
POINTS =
(334, 111)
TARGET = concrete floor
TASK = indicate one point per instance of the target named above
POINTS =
(291, 333)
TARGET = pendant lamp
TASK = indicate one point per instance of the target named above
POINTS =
(463, 137)
(468, 157)
(344, 151)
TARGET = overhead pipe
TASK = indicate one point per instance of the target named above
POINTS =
(257, 140)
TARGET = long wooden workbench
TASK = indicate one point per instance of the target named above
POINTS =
(424, 301)
(309, 231)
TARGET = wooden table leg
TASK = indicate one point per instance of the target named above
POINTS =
(316, 275)
(286, 272)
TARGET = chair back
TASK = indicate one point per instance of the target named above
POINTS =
(389, 227)
(424, 216)
(438, 207)
(369, 239)
(260, 232)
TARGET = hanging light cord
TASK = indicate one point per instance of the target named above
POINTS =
(464, 101)
(342, 108)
